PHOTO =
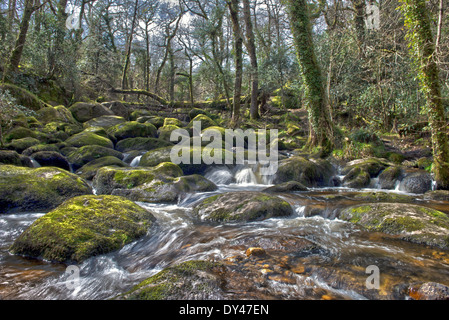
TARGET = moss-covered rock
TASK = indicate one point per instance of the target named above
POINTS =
(418, 182)
(310, 173)
(10, 157)
(373, 166)
(408, 222)
(357, 178)
(84, 227)
(141, 144)
(118, 108)
(19, 133)
(83, 112)
(154, 120)
(206, 122)
(20, 145)
(192, 280)
(24, 97)
(34, 190)
(196, 112)
(87, 138)
(132, 129)
(41, 147)
(82, 156)
(172, 122)
(291, 186)
(104, 122)
(161, 184)
(89, 170)
(438, 195)
(51, 159)
(165, 132)
(55, 114)
(390, 177)
(242, 206)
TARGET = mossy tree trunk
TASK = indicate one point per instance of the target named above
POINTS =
(250, 44)
(321, 133)
(238, 51)
(422, 47)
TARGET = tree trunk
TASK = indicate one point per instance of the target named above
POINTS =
(238, 48)
(359, 7)
(254, 109)
(128, 47)
(16, 54)
(57, 53)
(419, 27)
(321, 133)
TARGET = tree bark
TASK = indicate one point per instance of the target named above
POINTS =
(16, 54)
(238, 48)
(321, 133)
(418, 24)
(251, 46)
(128, 46)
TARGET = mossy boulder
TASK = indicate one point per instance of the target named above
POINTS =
(34, 190)
(83, 112)
(191, 280)
(408, 222)
(291, 186)
(10, 157)
(104, 122)
(118, 108)
(172, 122)
(21, 145)
(162, 184)
(437, 195)
(21, 132)
(55, 114)
(141, 144)
(87, 138)
(51, 159)
(132, 129)
(418, 182)
(206, 122)
(83, 227)
(242, 206)
(196, 112)
(357, 178)
(165, 132)
(390, 177)
(24, 97)
(154, 120)
(154, 157)
(79, 157)
(373, 166)
(41, 147)
(316, 173)
(89, 170)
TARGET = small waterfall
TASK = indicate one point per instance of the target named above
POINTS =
(246, 176)
(220, 176)
(136, 161)
(35, 163)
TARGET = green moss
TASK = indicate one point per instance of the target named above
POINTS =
(86, 138)
(358, 212)
(133, 129)
(83, 227)
(172, 122)
(399, 224)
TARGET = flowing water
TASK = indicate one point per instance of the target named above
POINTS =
(310, 255)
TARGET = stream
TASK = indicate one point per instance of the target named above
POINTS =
(310, 255)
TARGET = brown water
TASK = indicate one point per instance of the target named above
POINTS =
(310, 255)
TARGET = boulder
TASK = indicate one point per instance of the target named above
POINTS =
(10, 157)
(291, 186)
(242, 206)
(430, 291)
(36, 190)
(51, 159)
(418, 182)
(81, 156)
(132, 129)
(87, 138)
(172, 122)
(89, 170)
(21, 145)
(83, 227)
(165, 132)
(162, 184)
(192, 280)
(408, 222)
(357, 178)
(104, 122)
(141, 144)
(55, 114)
(118, 108)
(316, 173)
(206, 122)
(83, 112)
(389, 178)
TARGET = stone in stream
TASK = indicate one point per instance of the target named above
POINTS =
(192, 280)
(36, 190)
(291, 186)
(408, 222)
(164, 183)
(242, 206)
(429, 291)
(83, 227)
